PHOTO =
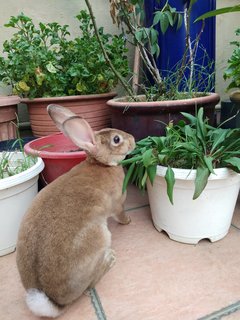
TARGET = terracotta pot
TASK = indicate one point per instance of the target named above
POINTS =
(8, 117)
(143, 119)
(235, 96)
(93, 108)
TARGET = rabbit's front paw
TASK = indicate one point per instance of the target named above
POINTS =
(126, 220)
(123, 218)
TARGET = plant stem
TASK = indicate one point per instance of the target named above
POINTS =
(118, 75)
(146, 55)
(187, 13)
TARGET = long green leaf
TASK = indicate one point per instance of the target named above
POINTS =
(180, 21)
(234, 161)
(201, 129)
(144, 179)
(209, 163)
(127, 177)
(189, 117)
(170, 179)
(147, 158)
(200, 181)
(151, 171)
(201, 124)
(217, 12)
(219, 136)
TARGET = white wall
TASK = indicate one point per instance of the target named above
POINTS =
(62, 11)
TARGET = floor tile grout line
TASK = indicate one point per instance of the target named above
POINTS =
(217, 315)
(233, 225)
(135, 208)
(96, 302)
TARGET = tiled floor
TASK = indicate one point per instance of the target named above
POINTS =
(154, 277)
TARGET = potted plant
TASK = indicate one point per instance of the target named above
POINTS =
(233, 70)
(168, 94)
(230, 110)
(45, 65)
(18, 186)
(8, 117)
(192, 177)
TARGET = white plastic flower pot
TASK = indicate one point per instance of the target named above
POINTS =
(16, 194)
(189, 221)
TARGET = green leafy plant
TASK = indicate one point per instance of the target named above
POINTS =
(219, 11)
(43, 60)
(186, 75)
(188, 145)
(9, 165)
(233, 70)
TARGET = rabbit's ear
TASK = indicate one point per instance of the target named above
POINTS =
(59, 114)
(76, 128)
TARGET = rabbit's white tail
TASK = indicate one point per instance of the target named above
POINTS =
(38, 302)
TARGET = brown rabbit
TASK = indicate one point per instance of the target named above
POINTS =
(64, 245)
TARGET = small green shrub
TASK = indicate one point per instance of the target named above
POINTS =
(44, 61)
(233, 70)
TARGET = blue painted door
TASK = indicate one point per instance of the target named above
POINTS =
(172, 43)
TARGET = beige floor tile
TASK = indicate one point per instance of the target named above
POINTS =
(157, 278)
(12, 304)
(154, 278)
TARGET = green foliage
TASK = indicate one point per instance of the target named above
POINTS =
(178, 86)
(233, 70)
(9, 166)
(43, 61)
(219, 11)
(188, 145)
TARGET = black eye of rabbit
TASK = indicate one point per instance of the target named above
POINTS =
(116, 139)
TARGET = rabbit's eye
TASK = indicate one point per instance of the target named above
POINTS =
(116, 140)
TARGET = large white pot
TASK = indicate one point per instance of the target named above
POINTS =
(16, 194)
(189, 221)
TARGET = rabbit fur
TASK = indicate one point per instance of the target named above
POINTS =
(64, 245)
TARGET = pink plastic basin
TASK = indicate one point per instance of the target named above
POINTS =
(58, 152)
